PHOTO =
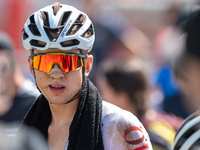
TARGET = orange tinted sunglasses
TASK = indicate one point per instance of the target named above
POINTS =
(67, 62)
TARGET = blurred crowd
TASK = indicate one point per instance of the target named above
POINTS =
(139, 66)
(142, 72)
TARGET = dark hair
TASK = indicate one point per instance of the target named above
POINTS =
(128, 76)
(191, 28)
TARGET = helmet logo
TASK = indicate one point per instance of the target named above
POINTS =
(66, 28)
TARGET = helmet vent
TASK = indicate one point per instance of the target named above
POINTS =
(65, 18)
(77, 25)
(80, 19)
(53, 33)
(32, 21)
(45, 18)
(37, 43)
(33, 28)
(25, 35)
(70, 43)
(89, 32)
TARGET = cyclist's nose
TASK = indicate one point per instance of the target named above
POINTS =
(56, 72)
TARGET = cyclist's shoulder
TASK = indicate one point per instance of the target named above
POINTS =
(114, 114)
(117, 117)
(122, 128)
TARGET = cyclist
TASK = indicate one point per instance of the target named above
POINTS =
(70, 112)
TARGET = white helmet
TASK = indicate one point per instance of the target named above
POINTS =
(73, 28)
(188, 135)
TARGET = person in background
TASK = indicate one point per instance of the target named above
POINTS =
(70, 113)
(186, 63)
(17, 93)
(124, 82)
(164, 49)
(187, 71)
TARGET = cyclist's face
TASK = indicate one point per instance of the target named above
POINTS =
(59, 87)
(190, 84)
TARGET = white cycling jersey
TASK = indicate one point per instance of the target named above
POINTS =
(122, 130)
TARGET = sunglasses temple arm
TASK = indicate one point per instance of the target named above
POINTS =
(83, 71)
(83, 56)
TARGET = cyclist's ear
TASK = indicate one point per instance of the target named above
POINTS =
(88, 65)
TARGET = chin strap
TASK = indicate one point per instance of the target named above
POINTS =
(35, 75)
(35, 80)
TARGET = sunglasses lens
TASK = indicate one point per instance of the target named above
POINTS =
(66, 63)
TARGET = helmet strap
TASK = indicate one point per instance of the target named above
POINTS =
(32, 52)
(35, 80)
(80, 92)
